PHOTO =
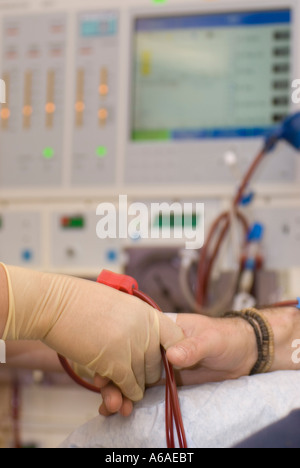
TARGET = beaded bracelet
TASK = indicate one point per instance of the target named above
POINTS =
(264, 338)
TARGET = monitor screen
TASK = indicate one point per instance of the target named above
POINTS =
(211, 75)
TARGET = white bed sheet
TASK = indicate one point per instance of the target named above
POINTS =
(216, 415)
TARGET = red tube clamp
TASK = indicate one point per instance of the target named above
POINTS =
(122, 283)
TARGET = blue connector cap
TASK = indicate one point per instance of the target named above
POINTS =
(256, 233)
(247, 199)
(289, 130)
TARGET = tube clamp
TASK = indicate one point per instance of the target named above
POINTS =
(122, 283)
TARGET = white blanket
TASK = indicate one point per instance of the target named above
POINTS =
(216, 415)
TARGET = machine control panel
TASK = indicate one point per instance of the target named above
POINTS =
(96, 99)
(33, 117)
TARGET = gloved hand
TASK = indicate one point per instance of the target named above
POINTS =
(111, 333)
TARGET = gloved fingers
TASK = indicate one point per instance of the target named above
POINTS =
(100, 382)
(138, 366)
(153, 360)
(83, 372)
(125, 369)
(131, 384)
(170, 333)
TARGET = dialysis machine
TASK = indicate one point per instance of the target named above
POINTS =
(158, 101)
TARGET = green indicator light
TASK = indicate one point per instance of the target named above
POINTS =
(73, 222)
(77, 223)
(48, 153)
(159, 1)
(101, 151)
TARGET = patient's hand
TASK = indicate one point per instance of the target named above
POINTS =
(214, 349)
(113, 400)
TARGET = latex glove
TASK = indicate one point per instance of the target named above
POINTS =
(111, 333)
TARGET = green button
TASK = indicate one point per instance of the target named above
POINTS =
(48, 152)
(101, 151)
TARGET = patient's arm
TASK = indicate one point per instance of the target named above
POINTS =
(219, 349)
